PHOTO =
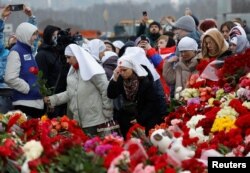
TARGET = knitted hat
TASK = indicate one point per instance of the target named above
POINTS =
(207, 24)
(155, 23)
(186, 23)
(142, 37)
(187, 43)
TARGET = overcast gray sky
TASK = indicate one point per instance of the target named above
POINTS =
(63, 4)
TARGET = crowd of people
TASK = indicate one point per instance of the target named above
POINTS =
(88, 80)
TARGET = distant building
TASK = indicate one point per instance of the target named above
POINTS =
(230, 9)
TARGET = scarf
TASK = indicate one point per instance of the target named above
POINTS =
(76, 66)
(131, 86)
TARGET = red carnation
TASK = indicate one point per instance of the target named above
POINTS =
(33, 70)
(237, 105)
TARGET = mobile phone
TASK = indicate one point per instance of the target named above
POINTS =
(143, 37)
(144, 13)
(16, 7)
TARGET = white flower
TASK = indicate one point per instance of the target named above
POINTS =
(246, 104)
(32, 149)
(194, 120)
(219, 94)
(190, 93)
(25, 167)
(177, 96)
(178, 89)
(227, 111)
(185, 171)
(198, 132)
(225, 100)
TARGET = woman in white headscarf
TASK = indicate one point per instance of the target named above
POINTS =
(86, 92)
(136, 84)
(97, 49)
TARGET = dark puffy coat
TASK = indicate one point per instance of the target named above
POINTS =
(151, 100)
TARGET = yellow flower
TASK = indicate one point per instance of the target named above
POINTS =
(1, 117)
(44, 118)
(223, 123)
(211, 101)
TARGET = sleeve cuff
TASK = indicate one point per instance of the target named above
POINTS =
(151, 52)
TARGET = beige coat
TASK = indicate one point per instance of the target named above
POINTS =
(87, 100)
(179, 73)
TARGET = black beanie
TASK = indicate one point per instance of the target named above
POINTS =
(155, 23)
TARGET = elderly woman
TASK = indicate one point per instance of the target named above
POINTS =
(136, 84)
(179, 74)
(86, 92)
(214, 47)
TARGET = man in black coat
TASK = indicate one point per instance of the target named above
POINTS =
(52, 63)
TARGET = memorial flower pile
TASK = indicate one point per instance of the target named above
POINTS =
(207, 119)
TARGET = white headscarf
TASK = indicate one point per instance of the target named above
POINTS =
(118, 44)
(139, 55)
(107, 55)
(96, 46)
(24, 32)
(237, 30)
(87, 65)
(130, 62)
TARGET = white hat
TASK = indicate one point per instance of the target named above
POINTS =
(88, 66)
(129, 62)
(139, 55)
(187, 43)
(118, 44)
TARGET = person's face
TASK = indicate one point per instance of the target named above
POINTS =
(126, 72)
(187, 54)
(117, 50)
(162, 43)
(108, 47)
(233, 47)
(225, 31)
(179, 33)
(154, 29)
(101, 54)
(211, 46)
(71, 60)
(54, 35)
(34, 37)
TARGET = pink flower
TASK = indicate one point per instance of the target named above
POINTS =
(148, 169)
(247, 139)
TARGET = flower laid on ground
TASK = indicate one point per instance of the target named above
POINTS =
(211, 120)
